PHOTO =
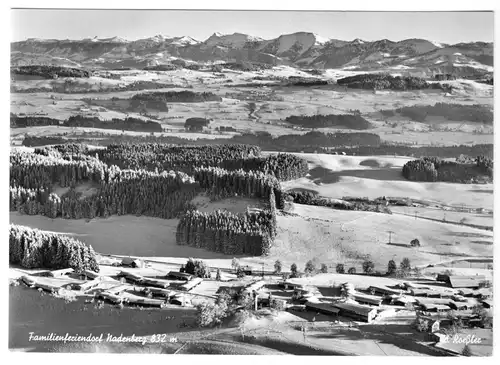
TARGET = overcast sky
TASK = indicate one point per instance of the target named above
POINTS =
(446, 27)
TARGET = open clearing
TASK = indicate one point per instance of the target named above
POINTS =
(349, 237)
(272, 104)
(337, 176)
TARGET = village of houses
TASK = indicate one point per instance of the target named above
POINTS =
(437, 303)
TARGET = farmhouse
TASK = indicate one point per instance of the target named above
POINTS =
(131, 262)
(356, 311)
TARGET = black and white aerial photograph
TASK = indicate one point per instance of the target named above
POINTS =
(250, 182)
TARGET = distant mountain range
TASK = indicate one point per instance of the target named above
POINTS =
(302, 49)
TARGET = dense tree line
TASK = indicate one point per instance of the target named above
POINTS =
(435, 169)
(242, 183)
(329, 121)
(228, 233)
(309, 142)
(455, 112)
(50, 72)
(309, 198)
(304, 81)
(385, 81)
(196, 123)
(33, 171)
(164, 195)
(283, 166)
(184, 96)
(22, 122)
(152, 156)
(32, 248)
(127, 124)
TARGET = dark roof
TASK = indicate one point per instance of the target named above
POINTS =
(465, 281)
(355, 308)
(130, 260)
(180, 274)
(488, 302)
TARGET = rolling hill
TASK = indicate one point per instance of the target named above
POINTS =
(301, 49)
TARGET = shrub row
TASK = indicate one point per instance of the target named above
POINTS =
(32, 248)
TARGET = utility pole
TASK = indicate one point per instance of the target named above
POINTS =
(262, 269)
(390, 236)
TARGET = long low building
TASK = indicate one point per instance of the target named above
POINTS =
(434, 307)
(324, 308)
(367, 299)
(355, 311)
(190, 284)
(383, 290)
